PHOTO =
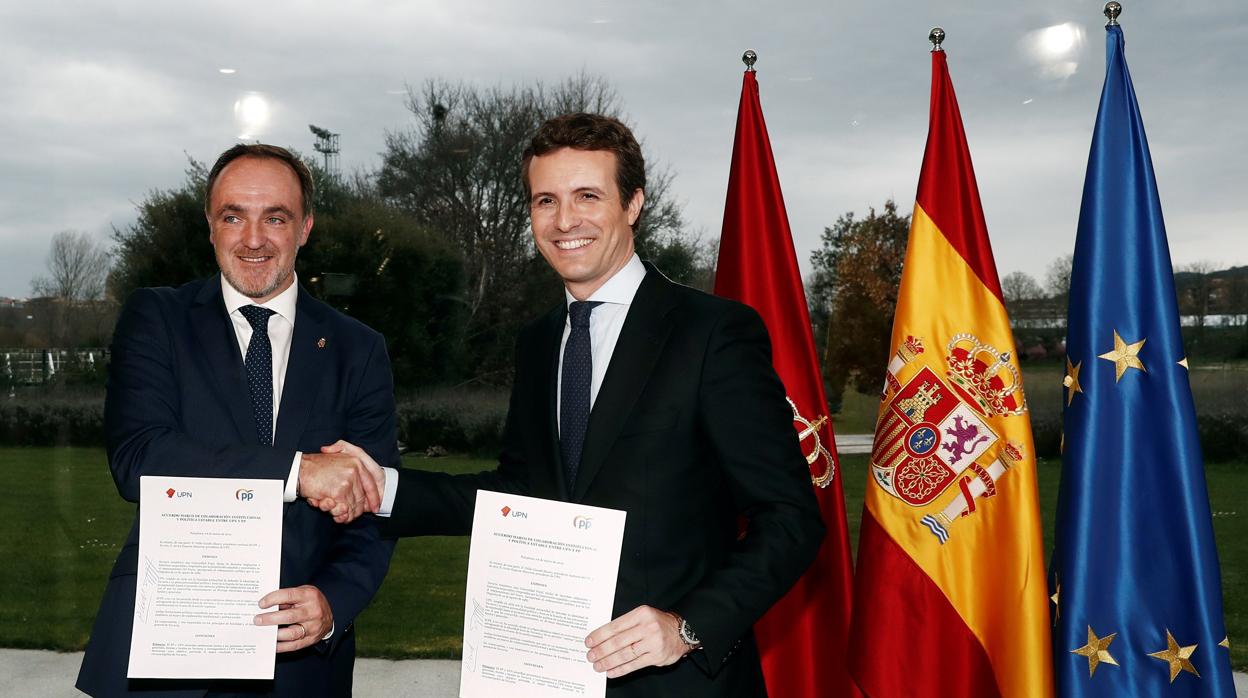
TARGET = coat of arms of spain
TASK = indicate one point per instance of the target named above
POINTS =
(935, 431)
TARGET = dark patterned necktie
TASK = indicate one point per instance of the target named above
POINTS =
(258, 365)
(578, 369)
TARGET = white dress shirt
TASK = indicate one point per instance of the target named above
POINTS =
(281, 330)
(605, 323)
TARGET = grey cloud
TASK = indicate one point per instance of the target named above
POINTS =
(103, 100)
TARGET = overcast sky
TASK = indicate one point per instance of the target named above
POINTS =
(103, 101)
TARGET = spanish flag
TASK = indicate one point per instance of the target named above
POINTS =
(950, 596)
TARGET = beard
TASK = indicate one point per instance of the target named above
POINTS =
(255, 285)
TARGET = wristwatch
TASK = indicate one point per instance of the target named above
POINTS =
(687, 635)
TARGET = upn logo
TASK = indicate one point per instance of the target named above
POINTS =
(582, 522)
(244, 495)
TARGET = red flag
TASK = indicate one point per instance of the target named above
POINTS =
(803, 637)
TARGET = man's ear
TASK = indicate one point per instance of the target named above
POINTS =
(634, 206)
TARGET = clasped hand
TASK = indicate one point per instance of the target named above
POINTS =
(342, 480)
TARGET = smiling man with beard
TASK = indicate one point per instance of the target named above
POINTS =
(245, 375)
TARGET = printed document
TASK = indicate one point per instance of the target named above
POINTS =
(541, 577)
(209, 549)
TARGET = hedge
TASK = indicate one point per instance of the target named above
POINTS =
(464, 422)
(471, 422)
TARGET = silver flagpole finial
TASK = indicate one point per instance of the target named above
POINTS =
(1112, 10)
(937, 37)
(749, 58)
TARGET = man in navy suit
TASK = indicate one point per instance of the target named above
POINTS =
(642, 395)
(245, 375)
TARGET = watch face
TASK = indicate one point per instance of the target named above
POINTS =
(687, 634)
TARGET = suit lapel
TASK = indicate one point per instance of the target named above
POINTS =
(220, 353)
(645, 331)
(305, 370)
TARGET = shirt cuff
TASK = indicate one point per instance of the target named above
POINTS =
(392, 489)
(331, 631)
(292, 482)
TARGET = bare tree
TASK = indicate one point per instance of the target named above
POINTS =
(458, 172)
(1020, 286)
(77, 268)
(1195, 289)
(1057, 277)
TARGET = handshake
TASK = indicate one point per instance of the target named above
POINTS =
(342, 480)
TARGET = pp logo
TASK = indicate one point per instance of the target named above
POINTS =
(582, 522)
(244, 495)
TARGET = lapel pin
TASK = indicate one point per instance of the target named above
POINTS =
(320, 343)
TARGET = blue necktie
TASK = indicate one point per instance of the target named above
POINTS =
(578, 370)
(258, 365)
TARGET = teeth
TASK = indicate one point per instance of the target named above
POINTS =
(253, 259)
(572, 244)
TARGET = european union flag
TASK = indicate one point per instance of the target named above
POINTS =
(1137, 597)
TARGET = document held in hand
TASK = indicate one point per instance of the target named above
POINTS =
(209, 549)
(541, 576)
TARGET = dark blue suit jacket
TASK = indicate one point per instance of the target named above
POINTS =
(690, 433)
(178, 405)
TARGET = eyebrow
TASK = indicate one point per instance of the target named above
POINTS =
(596, 190)
(235, 208)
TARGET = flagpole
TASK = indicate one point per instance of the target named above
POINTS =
(749, 58)
(937, 37)
(1112, 10)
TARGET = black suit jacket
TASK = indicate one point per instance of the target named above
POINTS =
(690, 432)
(178, 405)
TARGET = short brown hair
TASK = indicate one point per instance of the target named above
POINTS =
(583, 131)
(260, 150)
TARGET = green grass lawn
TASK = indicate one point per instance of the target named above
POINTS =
(66, 522)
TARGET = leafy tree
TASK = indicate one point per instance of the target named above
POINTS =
(364, 257)
(168, 244)
(853, 292)
(458, 172)
(378, 265)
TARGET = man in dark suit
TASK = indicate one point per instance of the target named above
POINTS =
(245, 375)
(642, 395)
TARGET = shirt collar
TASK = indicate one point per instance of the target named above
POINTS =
(619, 289)
(283, 303)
